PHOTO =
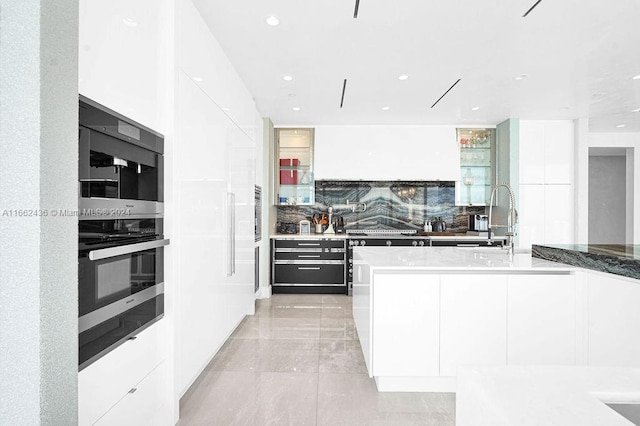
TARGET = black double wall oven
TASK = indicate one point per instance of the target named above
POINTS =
(121, 235)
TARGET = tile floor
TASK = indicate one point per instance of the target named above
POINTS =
(298, 361)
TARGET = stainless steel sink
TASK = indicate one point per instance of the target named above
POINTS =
(628, 410)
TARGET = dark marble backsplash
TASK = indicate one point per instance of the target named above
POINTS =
(390, 204)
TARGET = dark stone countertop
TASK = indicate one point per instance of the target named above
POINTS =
(617, 259)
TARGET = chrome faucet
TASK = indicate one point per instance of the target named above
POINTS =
(512, 216)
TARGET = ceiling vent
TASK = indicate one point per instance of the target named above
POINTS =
(445, 93)
(531, 8)
(344, 88)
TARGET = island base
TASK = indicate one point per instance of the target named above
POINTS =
(415, 384)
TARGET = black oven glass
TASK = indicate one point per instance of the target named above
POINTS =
(111, 168)
(104, 336)
(107, 280)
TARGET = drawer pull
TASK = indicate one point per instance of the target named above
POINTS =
(314, 268)
(308, 244)
(133, 390)
(132, 338)
(309, 255)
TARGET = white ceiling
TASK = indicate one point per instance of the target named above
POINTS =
(579, 57)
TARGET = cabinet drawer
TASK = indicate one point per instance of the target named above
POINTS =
(309, 255)
(142, 405)
(107, 380)
(308, 274)
(306, 244)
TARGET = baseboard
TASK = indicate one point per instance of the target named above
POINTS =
(264, 292)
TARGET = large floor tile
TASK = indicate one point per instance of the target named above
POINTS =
(341, 299)
(352, 399)
(338, 329)
(342, 356)
(247, 398)
(259, 355)
(277, 328)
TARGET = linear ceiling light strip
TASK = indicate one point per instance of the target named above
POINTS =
(344, 88)
(531, 8)
(355, 11)
(445, 93)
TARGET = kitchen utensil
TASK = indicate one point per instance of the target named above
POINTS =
(439, 225)
(305, 227)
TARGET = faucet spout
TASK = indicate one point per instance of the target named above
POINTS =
(512, 216)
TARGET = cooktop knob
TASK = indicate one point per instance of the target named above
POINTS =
(414, 243)
(388, 243)
(355, 242)
(363, 242)
(421, 243)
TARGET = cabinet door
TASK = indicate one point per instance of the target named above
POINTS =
(406, 318)
(531, 215)
(386, 153)
(532, 152)
(614, 321)
(541, 320)
(558, 214)
(558, 152)
(142, 406)
(473, 321)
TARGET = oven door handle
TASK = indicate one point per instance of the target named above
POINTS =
(129, 248)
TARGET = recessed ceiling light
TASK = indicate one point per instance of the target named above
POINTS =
(635, 110)
(272, 20)
(521, 76)
(403, 77)
(475, 108)
(598, 95)
(386, 108)
(287, 78)
(564, 108)
(296, 108)
(621, 125)
(130, 22)
(291, 95)
(198, 79)
(636, 77)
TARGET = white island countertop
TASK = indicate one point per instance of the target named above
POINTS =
(544, 395)
(453, 259)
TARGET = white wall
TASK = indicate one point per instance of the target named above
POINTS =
(38, 172)
(631, 143)
(607, 199)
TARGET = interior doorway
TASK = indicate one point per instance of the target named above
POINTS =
(608, 200)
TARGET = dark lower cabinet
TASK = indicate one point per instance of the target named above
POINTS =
(308, 266)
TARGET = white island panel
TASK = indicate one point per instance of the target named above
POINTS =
(473, 327)
(541, 320)
(406, 332)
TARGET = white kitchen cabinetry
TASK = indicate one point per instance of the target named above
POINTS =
(546, 215)
(473, 321)
(386, 153)
(140, 406)
(406, 333)
(541, 320)
(104, 385)
(614, 320)
(546, 152)
(201, 58)
(213, 193)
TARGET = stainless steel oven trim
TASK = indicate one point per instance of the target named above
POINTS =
(126, 249)
(126, 338)
(114, 208)
(307, 285)
(308, 262)
(98, 316)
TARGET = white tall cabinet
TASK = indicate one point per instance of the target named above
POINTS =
(214, 174)
(546, 182)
